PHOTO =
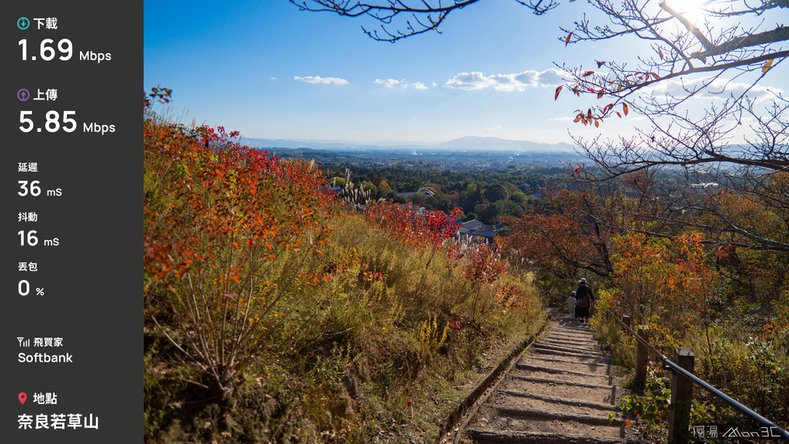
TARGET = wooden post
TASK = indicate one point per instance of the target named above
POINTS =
(681, 394)
(626, 320)
(642, 359)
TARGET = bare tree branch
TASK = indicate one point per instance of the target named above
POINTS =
(399, 19)
(778, 34)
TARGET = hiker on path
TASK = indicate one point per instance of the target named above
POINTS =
(583, 301)
(571, 305)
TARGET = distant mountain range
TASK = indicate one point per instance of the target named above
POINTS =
(470, 143)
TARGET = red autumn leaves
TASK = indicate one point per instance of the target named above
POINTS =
(483, 264)
(479, 263)
(589, 118)
(430, 228)
(592, 82)
(209, 190)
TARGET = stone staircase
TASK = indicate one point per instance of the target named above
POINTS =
(561, 390)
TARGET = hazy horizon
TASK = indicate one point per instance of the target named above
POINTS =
(484, 143)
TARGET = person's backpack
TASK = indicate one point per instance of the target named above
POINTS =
(582, 297)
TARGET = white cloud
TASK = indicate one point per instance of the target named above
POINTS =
(400, 84)
(718, 89)
(273, 77)
(318, 80)
(389, 83)
(514, 82)
(551, 77)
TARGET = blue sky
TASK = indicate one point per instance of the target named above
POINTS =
(271, 71)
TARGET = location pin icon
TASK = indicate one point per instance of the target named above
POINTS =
(22, 397)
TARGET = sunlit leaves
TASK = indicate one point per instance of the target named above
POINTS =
(405, 222)
(767, 65)
(659, 275)
(213, 191)
(483, 264)
(601, 85)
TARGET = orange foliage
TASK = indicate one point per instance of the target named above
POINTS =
(563, 239)
(206, 190)
(662, 278)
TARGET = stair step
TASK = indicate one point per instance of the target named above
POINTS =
(529, 413)
(535, 402)
(561, 381)
(554, 362)
(590, 377)
(598, 394)
(558, 400)
(573, 349)
(570, 342)
(494, 436)
(572, 334)
(580, 357)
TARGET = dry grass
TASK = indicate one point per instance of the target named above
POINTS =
(363, 338)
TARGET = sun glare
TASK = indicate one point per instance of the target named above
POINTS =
(693, 10)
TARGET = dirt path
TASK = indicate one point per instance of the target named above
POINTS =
(561, 390)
